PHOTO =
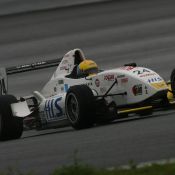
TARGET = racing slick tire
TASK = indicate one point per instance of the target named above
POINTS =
(79, 107)
(10, 127)
(172, 78)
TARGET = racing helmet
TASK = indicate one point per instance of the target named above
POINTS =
(86, 68)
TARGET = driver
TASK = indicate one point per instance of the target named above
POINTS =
(87, 68)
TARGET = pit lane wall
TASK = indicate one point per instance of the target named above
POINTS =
(10, 7)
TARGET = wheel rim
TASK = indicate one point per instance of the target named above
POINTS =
(72, 108)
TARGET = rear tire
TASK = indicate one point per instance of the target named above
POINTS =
(173, 82)
(79, 106)
(10, 127)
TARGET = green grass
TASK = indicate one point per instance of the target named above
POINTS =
(78, 169)
(167, 169)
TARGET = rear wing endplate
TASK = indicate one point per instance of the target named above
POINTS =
(3, 81)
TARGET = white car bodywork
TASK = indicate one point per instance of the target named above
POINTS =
(125, 85)
(82, 100)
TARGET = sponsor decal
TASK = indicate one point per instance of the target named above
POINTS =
(146, 90)
(63, 68)
(120, 76)
(128, 68)
(155, 79)
(141, 71)
(66, 87)
(97, 82)
(137, 89)
(31, 65)
(89, 84)
(109, 77)
(60, 81)
(53, 109)
(147, 75)
(124, 80)
(65, 62)
(69, 68)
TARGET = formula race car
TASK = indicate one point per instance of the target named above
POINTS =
(81, 95)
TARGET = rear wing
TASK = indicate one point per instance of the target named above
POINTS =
(33, 66)
(4, 72)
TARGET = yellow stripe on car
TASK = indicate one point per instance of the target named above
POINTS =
(160, 85)
(134, 109)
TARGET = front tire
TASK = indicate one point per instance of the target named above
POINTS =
(79, 106)
(10, 127)
(173, 82)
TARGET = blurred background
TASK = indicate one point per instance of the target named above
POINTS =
(112, 32)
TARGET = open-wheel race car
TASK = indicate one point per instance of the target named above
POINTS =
(81, 95)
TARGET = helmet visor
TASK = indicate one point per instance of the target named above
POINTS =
(91, 71)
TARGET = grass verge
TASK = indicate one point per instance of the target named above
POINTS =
(78, 169)
(166, 169)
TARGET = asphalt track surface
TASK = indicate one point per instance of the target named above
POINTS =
(112, 33)
(19, 6)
